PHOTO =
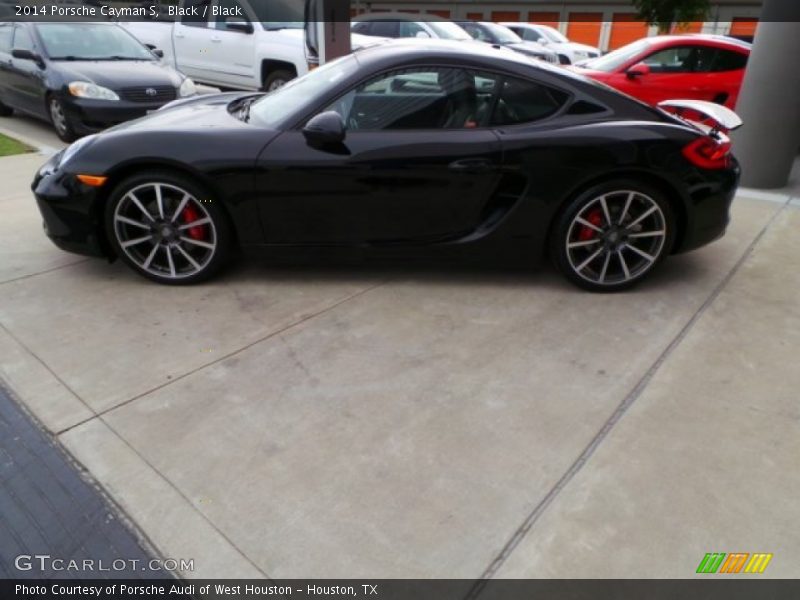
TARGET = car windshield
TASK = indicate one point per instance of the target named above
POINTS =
(273, 109)
(551, 34)
(448, 31)
(90, 41)
(614, 60)
(502, 35)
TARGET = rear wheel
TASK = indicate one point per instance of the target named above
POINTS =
(61, 120)
(168, 228)
(277, 79)
(613, 235)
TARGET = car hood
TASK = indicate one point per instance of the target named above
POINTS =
(195, 113)
(120, 74)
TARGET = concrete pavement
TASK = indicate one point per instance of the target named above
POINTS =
(347, 422)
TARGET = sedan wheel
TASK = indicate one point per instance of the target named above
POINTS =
(61, 121)
(167, 231)
(612, 237)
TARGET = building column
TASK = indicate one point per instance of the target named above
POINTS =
(769, 101)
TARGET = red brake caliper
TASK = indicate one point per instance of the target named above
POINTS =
(189, 215)
(585, 233)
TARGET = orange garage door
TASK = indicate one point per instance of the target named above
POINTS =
(625, 28)
(744, 26)
(545, 18)
(584, 28)
(445, 14)
(692, 27)
(474, 16)
(505, 15)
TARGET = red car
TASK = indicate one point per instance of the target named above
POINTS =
(694, 67)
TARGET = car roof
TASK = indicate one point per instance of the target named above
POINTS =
(430, 48)
(392, 16)
(700, 37)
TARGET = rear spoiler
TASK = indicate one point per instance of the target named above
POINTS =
(723, 118)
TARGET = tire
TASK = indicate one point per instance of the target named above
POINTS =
(60, 120)
(165, 248)
(5, 111)
(277, 79)
(608, 255)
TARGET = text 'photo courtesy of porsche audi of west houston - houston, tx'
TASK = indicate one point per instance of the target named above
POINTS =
(434, 148)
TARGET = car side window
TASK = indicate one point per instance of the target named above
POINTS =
(6, 33)
(22, 39)
(680, 59)
(476, 31)
(388, 29)
(728, 60)
(417, 98)
(523, 101)
(410, 29)
(233, 11)
(361, 27)
(203, 9)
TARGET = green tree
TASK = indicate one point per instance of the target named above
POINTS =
(663, 13)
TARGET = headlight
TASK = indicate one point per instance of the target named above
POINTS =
(84, 89)
(581, 54)
(187, 88)
(73, 148)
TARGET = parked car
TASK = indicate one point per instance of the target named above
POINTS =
(492, 33)
(568, 52)
(81, 76)
(247, 52)
(435, 149)
(702, 67)
(406, 25)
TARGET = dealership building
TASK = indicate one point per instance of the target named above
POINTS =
(602, 23)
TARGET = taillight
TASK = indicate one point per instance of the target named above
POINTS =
(709, 153)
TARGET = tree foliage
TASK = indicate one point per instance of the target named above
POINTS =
(663, 13)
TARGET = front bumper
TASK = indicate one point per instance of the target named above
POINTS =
(90, 116)
(70, 211)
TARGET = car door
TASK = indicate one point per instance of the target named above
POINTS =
(6, 35)
(27, 87)
(192, 42)
(231, 52)
(722, 70)
(415, 166)
(672, 76)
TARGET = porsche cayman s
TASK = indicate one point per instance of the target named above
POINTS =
(412, 148)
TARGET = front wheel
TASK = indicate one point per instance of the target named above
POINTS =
(61, 120)
(613, 235)
(167, 228)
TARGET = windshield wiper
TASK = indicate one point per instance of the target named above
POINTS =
(72, 57)
(118, 57)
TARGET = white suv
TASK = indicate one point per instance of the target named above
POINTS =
(568, 52)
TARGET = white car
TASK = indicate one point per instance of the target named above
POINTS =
(568, 52)
(403, 25)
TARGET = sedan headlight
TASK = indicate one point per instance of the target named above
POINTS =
(84, 89)
(187, 88)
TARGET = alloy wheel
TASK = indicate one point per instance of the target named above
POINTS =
(165, 230)
(616, 238)
(58, 117)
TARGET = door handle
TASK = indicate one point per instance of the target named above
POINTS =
(471, 165)
(216, 40)
(180, 35)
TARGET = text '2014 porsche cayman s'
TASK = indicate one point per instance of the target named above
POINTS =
(447, 150)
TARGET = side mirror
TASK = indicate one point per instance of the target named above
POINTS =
(239, 25)
(155, 51)
(638, 70)
(543, 41)
(423, 35)
(28, 55)
(325, 128)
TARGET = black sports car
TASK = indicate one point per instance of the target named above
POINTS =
(414, 148)
(81, 76)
